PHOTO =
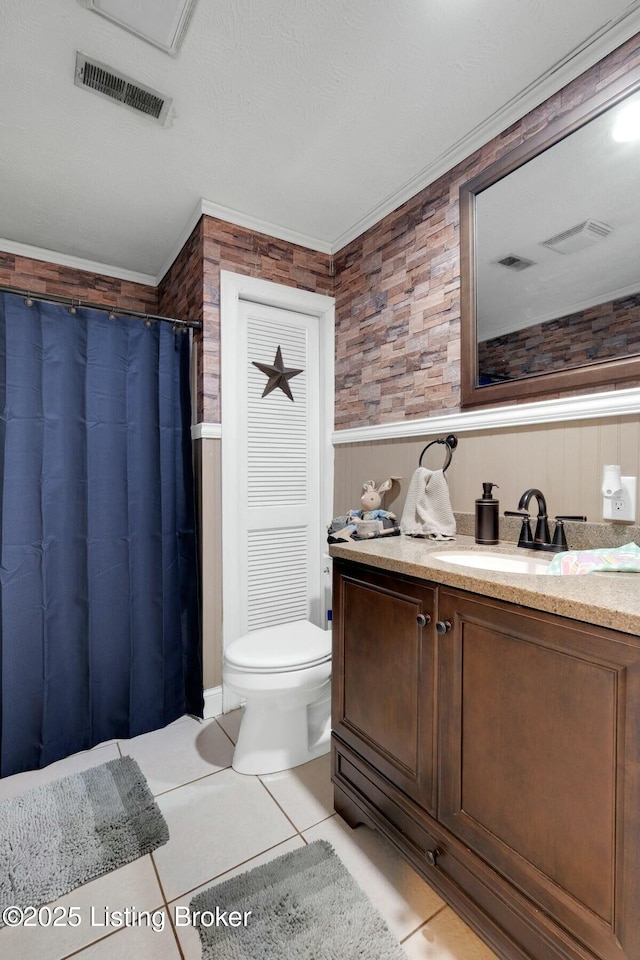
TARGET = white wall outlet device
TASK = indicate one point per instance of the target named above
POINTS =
(622, 505)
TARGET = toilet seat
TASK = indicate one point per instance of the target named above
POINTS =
(284, 648)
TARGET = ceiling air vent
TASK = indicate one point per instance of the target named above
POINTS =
(578, 237)
(513, 262)
(107, 82)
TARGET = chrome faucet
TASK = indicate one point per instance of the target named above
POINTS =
(542, 538)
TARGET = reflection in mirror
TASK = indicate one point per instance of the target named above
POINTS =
(551, 246)
(558, 255)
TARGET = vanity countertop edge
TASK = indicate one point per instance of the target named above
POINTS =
(609, 599)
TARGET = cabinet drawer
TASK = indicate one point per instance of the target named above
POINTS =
(511, 926)
(384, 804)
(507, 921)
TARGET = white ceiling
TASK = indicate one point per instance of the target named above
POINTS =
(310, 120)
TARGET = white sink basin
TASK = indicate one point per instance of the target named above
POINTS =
(495, 561)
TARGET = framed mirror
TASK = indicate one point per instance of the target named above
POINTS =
(550, 257)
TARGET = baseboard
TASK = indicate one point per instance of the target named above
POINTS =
(212, 702)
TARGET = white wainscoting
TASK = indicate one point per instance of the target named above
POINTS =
(613, 403)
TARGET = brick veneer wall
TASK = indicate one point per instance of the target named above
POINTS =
(40, 276)
(181, 294)
(599, 333)
(398, 285)
(194, 283)
(227, 247)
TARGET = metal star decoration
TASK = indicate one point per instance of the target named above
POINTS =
(278, 374)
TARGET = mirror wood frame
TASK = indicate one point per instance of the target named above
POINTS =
(598, 374)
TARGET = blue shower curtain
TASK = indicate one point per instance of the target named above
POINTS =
(99, 631)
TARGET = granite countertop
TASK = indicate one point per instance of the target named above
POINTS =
(605, 599)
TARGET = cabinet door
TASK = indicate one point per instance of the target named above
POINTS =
(540, 763)
(384, 675)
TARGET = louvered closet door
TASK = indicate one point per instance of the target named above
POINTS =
(281, 528)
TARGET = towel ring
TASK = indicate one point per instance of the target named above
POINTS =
(450, 443)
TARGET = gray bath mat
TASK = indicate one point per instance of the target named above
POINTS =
(304, 905)
(56, 837)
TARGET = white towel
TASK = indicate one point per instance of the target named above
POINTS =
(427, 510)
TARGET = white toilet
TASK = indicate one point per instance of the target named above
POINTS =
(284, 675)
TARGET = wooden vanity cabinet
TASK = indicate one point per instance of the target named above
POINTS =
(531, 825)
(384, 693)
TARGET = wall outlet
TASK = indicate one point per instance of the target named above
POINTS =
(622, 507)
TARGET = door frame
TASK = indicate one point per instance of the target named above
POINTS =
(234, 289)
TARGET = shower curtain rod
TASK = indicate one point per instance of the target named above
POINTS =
(183, 325)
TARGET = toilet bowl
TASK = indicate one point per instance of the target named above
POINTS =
(284, 675)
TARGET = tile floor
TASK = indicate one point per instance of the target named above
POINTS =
(221, 823)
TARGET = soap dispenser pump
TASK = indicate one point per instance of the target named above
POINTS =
(487, 516)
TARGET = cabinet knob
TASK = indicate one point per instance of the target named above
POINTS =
(443, 626)
(423, 619)
(431, 856)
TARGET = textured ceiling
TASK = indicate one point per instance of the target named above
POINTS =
(315, 119)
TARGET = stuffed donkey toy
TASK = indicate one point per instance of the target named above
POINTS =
(371, 521)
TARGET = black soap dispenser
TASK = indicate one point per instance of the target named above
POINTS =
(487, 516)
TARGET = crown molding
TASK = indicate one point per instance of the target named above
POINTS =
(613, 403)
(76, 263)
(603, 42)
(216, 210)
(192, 222)
(209, 209)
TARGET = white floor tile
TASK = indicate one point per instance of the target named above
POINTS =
(215, 824)
(182, 752)
(446, 937)
(134, 885)
(230, 723)
(135, 943)
(402, 897)
(304, 793)
(222, 823)
(19, 782)
(188, 934)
